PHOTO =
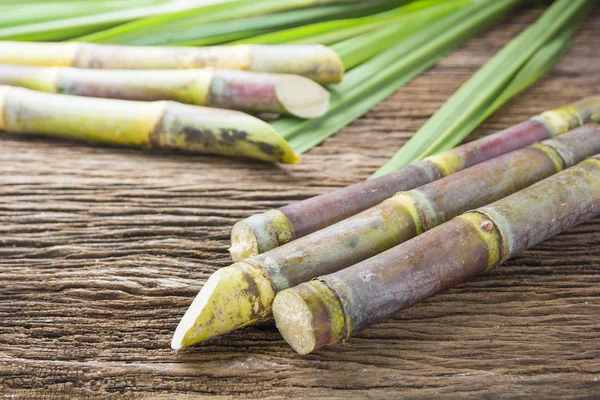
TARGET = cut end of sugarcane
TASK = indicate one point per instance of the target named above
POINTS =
(232, 298)
(301, 97)
(294, 320)
(244, 242)
(259, 233)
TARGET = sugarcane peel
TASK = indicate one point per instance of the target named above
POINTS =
(344, 202)
(231, 298)
(237, 90)
(159, 124)
(316, 62)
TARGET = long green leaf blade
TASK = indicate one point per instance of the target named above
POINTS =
(67, 28)
(372, 81)
(31, 13)
(197, 35)
(163, 29)
(357, 50)
(456, 117)
(536, 67)
(337, 30)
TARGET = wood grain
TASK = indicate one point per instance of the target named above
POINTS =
(102, 249)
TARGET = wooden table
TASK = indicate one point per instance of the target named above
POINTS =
(102, 249)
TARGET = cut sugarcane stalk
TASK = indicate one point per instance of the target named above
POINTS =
(236, 90)
(316, 62)
(241, 294)
(337, 306)
(159, 124)
(263, 232)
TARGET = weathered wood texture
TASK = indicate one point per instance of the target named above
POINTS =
(102, 250)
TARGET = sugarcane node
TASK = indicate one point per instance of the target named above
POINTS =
(553, 155)
(487, 226)
(580, 141)
(570, 116)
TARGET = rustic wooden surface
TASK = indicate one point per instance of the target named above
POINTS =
(102, 250)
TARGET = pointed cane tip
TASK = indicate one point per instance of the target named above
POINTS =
(294, 320)
(233, 297)
(301, 97)
(190, 329)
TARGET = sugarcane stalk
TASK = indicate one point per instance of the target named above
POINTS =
(263, 232)
(159, 124)
(398, 219)
(316, 62)
(337, 306)
(237, 90)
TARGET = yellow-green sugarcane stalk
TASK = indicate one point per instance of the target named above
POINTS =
(334, 307)
(236, 90)
(159, 124)
(241, 294)
(316, 62)
(263, 232)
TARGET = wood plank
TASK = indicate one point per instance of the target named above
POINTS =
(102, 249)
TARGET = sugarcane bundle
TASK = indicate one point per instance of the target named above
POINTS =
(159, 124)
(335, 307)
(263, 232)
(241, 294)
(316, 62)
(235, 90)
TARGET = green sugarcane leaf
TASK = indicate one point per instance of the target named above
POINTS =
(357, 50)
(31, 13)
(537, 66)
(335, 31)
(195, 36)
(459, 115)
(367, 85)
(60, 29)
(163, 29)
